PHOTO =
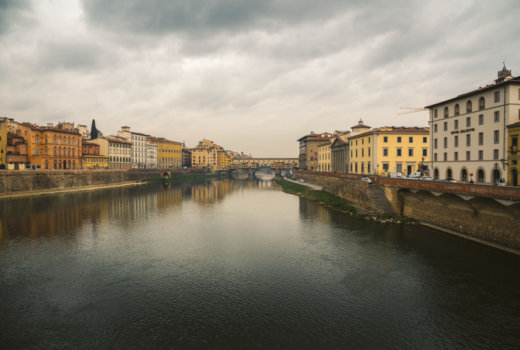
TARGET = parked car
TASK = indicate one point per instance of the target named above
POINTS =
(426, 178)
(449, 179)
(366, 179)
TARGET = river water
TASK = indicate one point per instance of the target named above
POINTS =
(240, 264)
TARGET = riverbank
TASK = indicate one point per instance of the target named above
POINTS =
(37, 183)
(337, 203)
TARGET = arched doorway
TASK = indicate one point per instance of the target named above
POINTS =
(464, 175)
(449, 173)
(496, 175)
(514, 177)
(481, 176)
(436, 174)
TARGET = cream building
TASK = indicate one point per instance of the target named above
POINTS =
(119, 153)
(151, 155)
(205, 155)
(139, 146)
(468, 132)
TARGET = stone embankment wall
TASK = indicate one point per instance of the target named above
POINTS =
(490, 214)
(27, 182)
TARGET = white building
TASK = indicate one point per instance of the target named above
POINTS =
(139, 146)
(151, 155)
(468, 133)
(119, 152)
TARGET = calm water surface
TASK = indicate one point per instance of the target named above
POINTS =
(229, 264)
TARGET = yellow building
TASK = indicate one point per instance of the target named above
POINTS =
(205, 155)
(169, 153)
(386, 150)
(324, 156)
(224, 159)
(513, 154)
(96, 162)
(3, 143)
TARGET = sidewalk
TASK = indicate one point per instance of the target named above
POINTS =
(314, 187)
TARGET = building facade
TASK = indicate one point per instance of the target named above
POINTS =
(339, 155)
(468, 132)
(205, 155)
(186, 157)
(169, 153)
(92, 157)
(286, 163)
(139, 146)
(3, 143)
(324, 156)
(308, 149)
(17, 152)
(513, 154)
(119, 153)
(386, 150)
(151, 155)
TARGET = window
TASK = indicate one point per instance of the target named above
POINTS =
(457, 109)
(435, 110)
(456, 141)
(495, 154)
(445, 142)
(425, 152)
(468, 155)
(399, 152)
(435, 126)
(445, 126)
(456, 156)
(435, 143)
(480, 155)
(468, 140)
(37, 139)
(469, 107)
(455, 124)
(481, 104)
(424, 139)
(497, 116)
(496, 136)
(497, 96)
(410, 152)
(481, 119)
(435, 157)
(445, 156)
(362, 152)
(446, 112)
(410, 139)
(468, 122)
(368, 153)
(398, 139)
(480, 138)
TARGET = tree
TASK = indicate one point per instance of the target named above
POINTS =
(93, 131)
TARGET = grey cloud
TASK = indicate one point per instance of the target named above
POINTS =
(10, 10)
(207, 16)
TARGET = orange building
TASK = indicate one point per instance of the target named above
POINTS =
(17, 151)
(55, 147)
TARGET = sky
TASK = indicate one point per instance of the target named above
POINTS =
(252, 76)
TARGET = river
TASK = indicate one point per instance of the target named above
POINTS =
(240, 264)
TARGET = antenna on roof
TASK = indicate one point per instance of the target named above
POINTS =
(411, 110)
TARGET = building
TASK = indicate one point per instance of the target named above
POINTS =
(224, 159)
(468, 132)
(324, 156)
(102, 142)
(388, 150)
(205, 155)
(186, 157)
(51, 147)
(119, 153)
(3, 143)
(139, 146)
(339, 152)
(169, 153)
(92, 157)
(513, 154)
(151, 155)
(17, 152)
(308, 155)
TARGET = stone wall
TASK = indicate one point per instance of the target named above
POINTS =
(15, 182)
(478, 215)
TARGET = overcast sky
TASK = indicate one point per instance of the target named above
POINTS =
(251, 75)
